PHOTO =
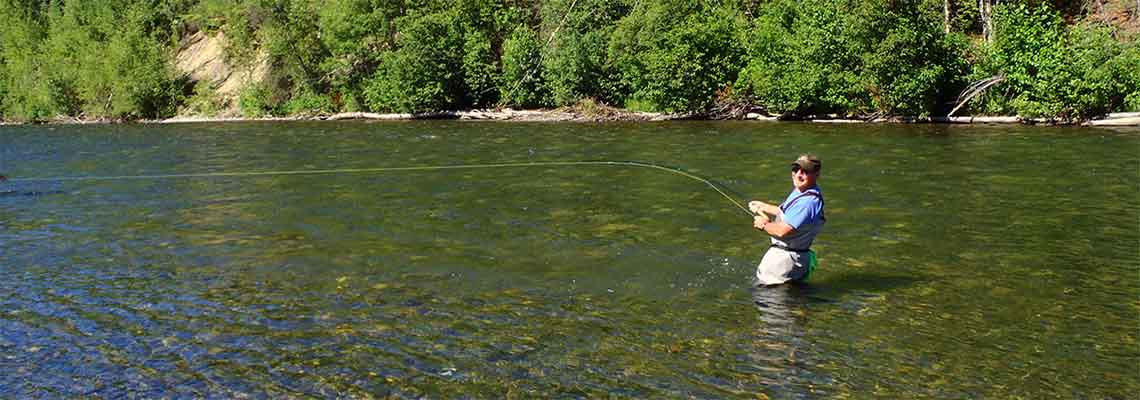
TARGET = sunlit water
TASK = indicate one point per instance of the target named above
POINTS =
(958, 262)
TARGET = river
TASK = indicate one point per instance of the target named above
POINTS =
(281, 259)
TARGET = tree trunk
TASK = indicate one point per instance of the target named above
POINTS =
(946, 15)
(985, 10)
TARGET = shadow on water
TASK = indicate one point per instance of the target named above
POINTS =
(778, 304)
(21, 193)
(830, 289)
(862, 282)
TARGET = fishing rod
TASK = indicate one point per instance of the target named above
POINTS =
(677, 171)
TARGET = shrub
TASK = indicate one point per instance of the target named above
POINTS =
(307, 103)
(803, 59)
(674, 55)
(204, 101)
(425, 73)
(255, 100)
(480, 70)
(1054, 72)
(1029, 51)
(25, 87)
(104, 64)
(575, 64)
(522, 76)
(1129, 62)
(1105, 73)
(354, 32)
(911, 67)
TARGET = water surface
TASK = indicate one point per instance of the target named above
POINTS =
(958, 262)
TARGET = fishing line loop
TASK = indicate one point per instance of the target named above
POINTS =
(677, 171)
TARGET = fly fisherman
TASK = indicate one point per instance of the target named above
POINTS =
(792, 226)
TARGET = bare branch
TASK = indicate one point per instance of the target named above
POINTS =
(974, 90)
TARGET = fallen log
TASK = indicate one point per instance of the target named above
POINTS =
(1127, 121)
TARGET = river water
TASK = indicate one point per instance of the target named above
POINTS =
(957, 262)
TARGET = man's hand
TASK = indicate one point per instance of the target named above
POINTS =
(759, 207)
(756, 206)
(759, 221)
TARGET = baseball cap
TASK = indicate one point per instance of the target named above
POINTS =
(808, 163)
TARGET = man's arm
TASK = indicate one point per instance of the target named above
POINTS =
(778, 229)
(757, 207)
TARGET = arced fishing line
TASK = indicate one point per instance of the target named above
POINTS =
(714, 186)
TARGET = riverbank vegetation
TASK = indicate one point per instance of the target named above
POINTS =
(113, 59)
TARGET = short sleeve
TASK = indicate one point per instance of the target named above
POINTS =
(804, 210)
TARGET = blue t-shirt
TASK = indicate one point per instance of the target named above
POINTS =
(807, 209)
(805, 214)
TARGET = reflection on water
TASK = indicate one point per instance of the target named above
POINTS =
(943, 271)
(782, 317)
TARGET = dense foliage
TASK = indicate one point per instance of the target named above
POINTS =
(85, 59)
(113, 59)
(1057, 71)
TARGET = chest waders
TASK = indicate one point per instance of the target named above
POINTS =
(812, 261)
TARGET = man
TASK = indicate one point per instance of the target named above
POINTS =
(793, 226)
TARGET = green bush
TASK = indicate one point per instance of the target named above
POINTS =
(675, 55)
(425, 72)
(240, 21)
(203, 101)
(256, 100)
(575, 64)
(104, 64)
(574, 67)
(480, 71)
(966, 17)
(292, 39)
(522, 84)
(305, 103)
(25, 88)
(110, 58)
(1129, 62)
(1105, 73)
(1029, 51)
(355, 33)
(804, 60)
(1051, 71)
(911, 67)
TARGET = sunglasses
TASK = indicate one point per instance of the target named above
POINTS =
(796, 168)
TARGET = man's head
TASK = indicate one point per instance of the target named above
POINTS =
(805, 171)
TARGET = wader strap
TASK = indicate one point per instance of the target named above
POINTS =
(785, 207)
(802, 195)
(783, 247)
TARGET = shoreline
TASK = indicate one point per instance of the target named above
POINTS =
(607, 115)
(615, 115)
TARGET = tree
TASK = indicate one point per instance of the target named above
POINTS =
(425, 71)
(804, 60)
(911, 67)
(985, 13)
(576, 34)
(675, 55)
(522, 76)
(354, 34)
